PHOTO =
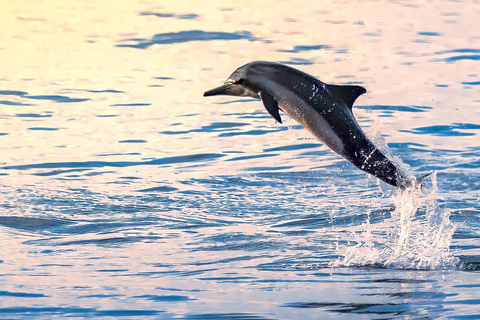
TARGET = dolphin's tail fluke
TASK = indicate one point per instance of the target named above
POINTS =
(419, 179)
(409, 182)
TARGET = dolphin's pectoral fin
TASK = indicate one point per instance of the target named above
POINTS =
(271, 105)
(347, 93)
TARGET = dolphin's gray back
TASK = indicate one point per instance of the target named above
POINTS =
(325, 110)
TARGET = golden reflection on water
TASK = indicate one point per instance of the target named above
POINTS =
(66, 48)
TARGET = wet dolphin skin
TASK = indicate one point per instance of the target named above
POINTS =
(323, 109)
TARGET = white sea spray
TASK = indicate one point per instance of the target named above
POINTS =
(416, 236)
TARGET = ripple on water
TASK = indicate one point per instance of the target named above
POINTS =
(452, 130)
(186, 36)
(466, 54)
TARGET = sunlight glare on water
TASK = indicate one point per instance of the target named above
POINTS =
(125, 193)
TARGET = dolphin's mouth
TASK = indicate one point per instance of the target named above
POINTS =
(229, 89)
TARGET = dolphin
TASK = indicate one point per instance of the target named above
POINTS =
(323, 109)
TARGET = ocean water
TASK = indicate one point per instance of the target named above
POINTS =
(126, 194)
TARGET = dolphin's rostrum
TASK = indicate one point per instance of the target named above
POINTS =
(323, 109)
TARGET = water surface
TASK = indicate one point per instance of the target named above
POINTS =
(125, 193)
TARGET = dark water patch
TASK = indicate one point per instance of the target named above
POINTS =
(258, 114)
(257, 156)
(229, 260)
(298, 61)
(310, 305)
(466, 57)
(371, 34)
(298, 49)
(132, 141)
(299, 146)
(466, 54)
(103, 242)
(386, 114)
(105, 226)
(417, 295)
(189, 16)
(30, 223)
(446, 130)
(237, 101)
(465, 301)
(43, 129)
(316, 221)
(439, 85)
(33, 115)
(405, 53)
(221, 126)
(21, 294)
(3, 134)
(473, 316)
(408, 145)
(163, 78)
(403, 281)
(164, 298)
(461, 50)
(187, 36)
(105, 91)
(57, 98)
(112, 270)
(12, 103)
(429, 34)
(249, 246)
(396, 108)
(257, 132)
(471, 83)
(119, 164)
(13, 93)
(43, 311)
(213, 127)
(470, 263)
(159, 189)
(107, 115)
(131, 104)
(356, 308)
(225, 316)
(237, 241)
(168, 132)
(418, 41)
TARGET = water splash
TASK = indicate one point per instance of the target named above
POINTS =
(416, 236)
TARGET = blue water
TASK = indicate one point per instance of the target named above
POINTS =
(126, 194)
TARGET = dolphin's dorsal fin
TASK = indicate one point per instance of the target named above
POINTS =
(347, 93)
(271, 105)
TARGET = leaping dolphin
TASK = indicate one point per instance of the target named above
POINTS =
(323, 109)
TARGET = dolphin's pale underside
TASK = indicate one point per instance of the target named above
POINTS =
(323, 109)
